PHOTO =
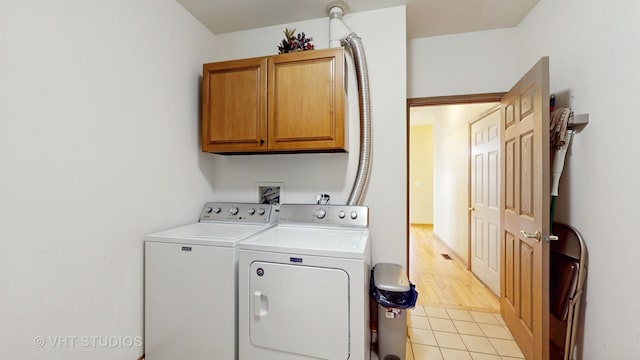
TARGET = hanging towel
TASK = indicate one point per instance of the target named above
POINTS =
(558, 127)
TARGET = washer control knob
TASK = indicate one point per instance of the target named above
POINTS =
(261, 211)
(208, 210)
(354, 215)
(341, 214)
(217, 210)
(251, 211)
(233, 210)
(320, 213)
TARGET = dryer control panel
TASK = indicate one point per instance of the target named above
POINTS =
(238, 212)
(327, 215)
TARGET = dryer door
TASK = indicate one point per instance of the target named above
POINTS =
(300, 309)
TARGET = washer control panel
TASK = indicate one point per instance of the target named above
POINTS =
(329, 215)
(238, 212)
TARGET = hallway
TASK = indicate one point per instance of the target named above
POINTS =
(456, 317)
(444, 282)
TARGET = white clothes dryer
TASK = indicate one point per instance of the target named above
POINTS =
(303, 286)
(190, 302)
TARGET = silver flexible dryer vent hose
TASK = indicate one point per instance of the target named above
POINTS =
(364, 100)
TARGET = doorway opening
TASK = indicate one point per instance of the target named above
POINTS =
(438, 190)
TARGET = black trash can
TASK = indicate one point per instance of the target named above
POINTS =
(393, 292)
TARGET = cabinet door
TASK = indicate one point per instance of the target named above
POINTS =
(234, 108)
(307, 101)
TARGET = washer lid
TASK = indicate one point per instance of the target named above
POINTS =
(209, 233)
(331, 242)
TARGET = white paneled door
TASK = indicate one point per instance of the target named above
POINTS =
(485, 198)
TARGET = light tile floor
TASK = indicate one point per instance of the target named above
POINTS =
(438, 333)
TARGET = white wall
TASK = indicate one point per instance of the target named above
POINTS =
(451, 180)
(98, 147)
(307, 174)
(594, 56)
(421, 174)
(469, 63)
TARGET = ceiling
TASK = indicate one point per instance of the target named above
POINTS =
(424, 17)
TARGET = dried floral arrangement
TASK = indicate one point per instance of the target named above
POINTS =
(294, 43)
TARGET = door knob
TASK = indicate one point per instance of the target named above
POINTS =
(536, 235)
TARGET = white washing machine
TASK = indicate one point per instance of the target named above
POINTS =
(190, 302)
(303, 286)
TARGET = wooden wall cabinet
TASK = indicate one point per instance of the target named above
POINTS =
(292, 102)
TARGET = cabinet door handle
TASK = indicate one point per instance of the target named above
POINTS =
(261, 141)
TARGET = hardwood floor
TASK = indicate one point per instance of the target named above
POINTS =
(442, 282)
